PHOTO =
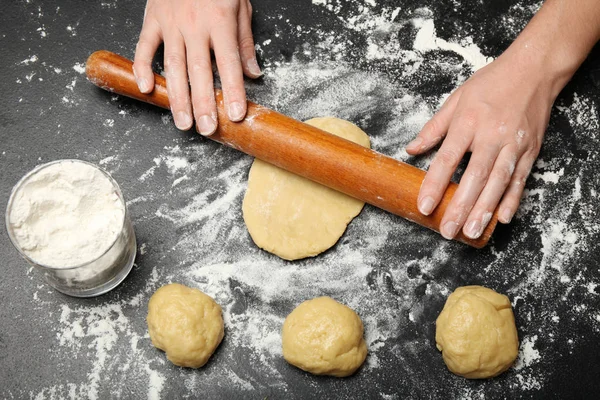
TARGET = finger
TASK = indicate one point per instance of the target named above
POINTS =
(225, 41)
(512, 196)
(201, 80)
(436, 128)
(246, 42)
(471, 184)
(150, 39)
(444, 164)
(490, 196)
(177, 80)
(249, 9)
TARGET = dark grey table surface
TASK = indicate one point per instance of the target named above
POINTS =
(386, 65)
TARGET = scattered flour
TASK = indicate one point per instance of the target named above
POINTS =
(426, 40)
(27, 61)
(79, 67)
(528, 355)
(378, 85)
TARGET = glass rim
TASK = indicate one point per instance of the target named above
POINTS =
(34, 171)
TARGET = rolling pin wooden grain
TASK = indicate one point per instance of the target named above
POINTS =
(300, 148)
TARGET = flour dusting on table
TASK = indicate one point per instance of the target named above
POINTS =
(377, 71)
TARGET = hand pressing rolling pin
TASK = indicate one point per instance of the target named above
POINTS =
(500, 115)
(189, 30)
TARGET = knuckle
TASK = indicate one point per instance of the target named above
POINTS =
(522, 181)
(174, 61)
(533, 143)
(142, 42)
(430, 187)
(232, 89)
(176, 102)
(500, 128)
(478, 172)
(502, 175)
(227, 61)
(447, 158)
(461, 210)
(519, 179)
(468, 118)
(225, 8)
(510, 201)
(246, 43)
(140, 67)
(531, 146)
(521, 134)
(233, 93)
(177, 98)
(513, 196)
(143, 45)
(203, 102)
(150, 27)
(200, 64)
(533, 154)
(432, 127)
(193, 13)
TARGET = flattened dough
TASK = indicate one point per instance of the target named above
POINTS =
(293, 217)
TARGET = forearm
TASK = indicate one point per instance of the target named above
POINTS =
(557, 40)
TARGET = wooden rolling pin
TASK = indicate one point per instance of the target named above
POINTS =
(299, 148)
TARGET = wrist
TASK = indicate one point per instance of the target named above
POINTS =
(542, 64)
(556, 41)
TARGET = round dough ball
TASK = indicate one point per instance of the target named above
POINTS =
(476, 333)
(324, 337)
(185, 323)
(293, 217)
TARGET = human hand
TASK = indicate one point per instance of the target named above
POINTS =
(500, 115)
(189, 30)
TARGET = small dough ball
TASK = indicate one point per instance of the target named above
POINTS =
(293, 217)
(185, 323)
(476, 333)
(324, 337)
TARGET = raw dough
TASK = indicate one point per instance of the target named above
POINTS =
(476, 333)
(186, 323)
(324, 337)
(293, 217)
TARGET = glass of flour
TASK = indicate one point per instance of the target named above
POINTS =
(69, 220)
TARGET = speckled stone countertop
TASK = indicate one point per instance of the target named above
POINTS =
(386, 66)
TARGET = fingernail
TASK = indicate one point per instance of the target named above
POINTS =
(206, 125)
(485, 220)
(449, 230)
(415, 143)
(426, 205)
(183, 120)
(145, 86)
(253, 67)
(236, 112)
(506, 216)
(473, 229)
(142, 83)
